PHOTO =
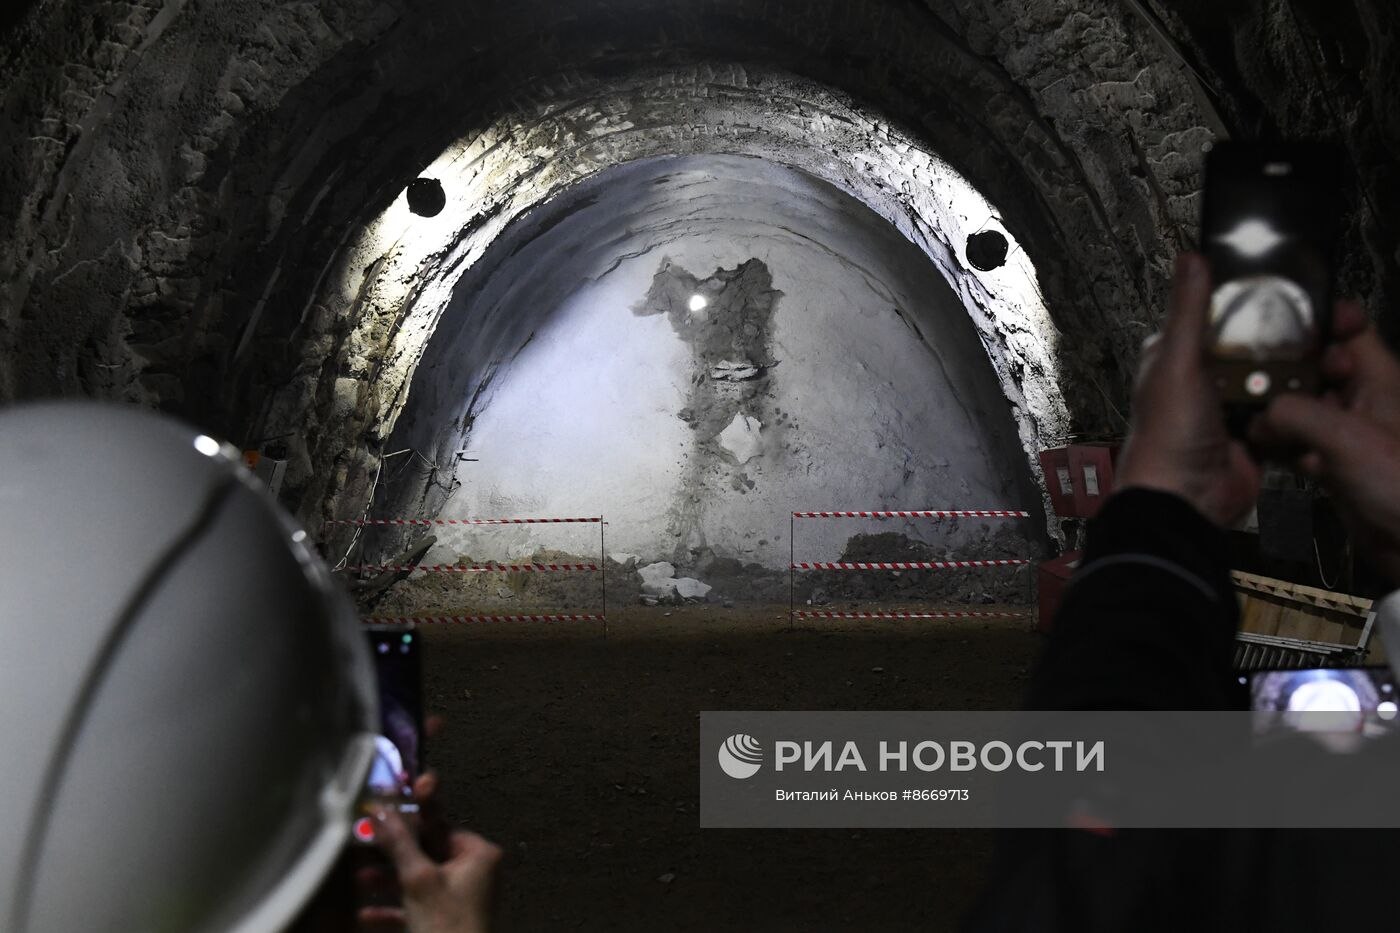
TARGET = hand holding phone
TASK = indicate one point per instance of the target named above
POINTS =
(398, 759)
(1269, 230)
(1179, 443)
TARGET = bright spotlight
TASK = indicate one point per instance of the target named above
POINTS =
(206, 445)
(698, 302)
(1324, 696)
(1252, 238)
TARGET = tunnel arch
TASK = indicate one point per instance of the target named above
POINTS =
(409, 266)
(200, 277)
(812, 311)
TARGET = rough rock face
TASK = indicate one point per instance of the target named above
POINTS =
(183, 198)
(957, 586)
(518, 593)
(1314, 69)
(735, 320)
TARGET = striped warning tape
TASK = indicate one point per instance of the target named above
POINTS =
(456, 521)
(970, 614)
(460, 620)
(908, 565)
(470, 568)
(955, 513)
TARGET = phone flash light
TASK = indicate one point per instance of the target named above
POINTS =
(1277, 168)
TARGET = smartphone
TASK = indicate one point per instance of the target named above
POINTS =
(398, 757)
(1361, 700)
(1269, 227)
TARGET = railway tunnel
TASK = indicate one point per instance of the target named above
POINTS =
(687, 267)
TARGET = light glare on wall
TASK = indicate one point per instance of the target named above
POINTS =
(698, 302)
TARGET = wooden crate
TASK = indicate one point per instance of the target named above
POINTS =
(1291, 610)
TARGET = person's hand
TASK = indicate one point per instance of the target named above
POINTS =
(391, 908)
(377, 884)
(1349, 439)
(1178, 442)
(363, 892)
(450, 897)
(411, 891)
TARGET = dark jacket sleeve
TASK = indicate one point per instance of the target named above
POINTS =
(1148, 620)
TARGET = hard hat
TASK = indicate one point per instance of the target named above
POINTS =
(188, 705)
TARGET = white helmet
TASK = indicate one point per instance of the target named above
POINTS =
(188, 705)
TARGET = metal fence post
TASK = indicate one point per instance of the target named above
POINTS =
(603, 565)
(792, 573)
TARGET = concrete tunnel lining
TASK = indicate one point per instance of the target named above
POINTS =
(412, 264)
(555, 369)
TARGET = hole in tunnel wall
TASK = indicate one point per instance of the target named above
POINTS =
(986, 250)
(826, 364)
(425, 197)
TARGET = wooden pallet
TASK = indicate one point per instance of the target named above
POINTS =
(1306, 613)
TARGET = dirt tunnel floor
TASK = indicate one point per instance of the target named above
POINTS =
(579, 756)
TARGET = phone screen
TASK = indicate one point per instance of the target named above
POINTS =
(398, 757)
(1269, 229)
(1363, 700)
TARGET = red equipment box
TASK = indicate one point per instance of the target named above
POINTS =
(1059, 481)
(1091, 466)
(1053, 576)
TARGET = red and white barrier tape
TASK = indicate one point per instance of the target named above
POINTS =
(909, 565)
(460, 620)
(471, 568)
(956, 513)
(456, 521)
(971, 614)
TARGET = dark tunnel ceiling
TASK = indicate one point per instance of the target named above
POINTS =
(187, 177)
